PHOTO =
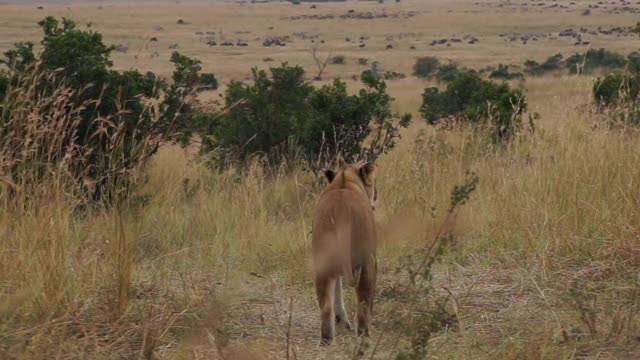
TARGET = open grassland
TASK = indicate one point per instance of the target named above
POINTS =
(202, 264)
(134, 25)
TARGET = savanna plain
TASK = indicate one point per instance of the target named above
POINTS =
(541, 262)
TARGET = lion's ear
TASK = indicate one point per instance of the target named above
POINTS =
(367, 172)
(329, 174)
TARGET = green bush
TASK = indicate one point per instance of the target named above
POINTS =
(342, 123)
(633, 63)
(374, 70)
(430, 67)
(552, 63)
(533, 68)
(387, 75)
(392, 75)
(280, 113)
(502, 72)
(474, 100)
(607, 90)
(448, 72)
(339, 60)
(426, 67)
(618, 93)
(4, 84)
(209, 81)
(264, 117)
(578, 63)
(187, 73)
(363, 61)
(595, 59)
(110, 102)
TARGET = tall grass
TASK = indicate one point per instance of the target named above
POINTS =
(204, 264)
(61, 254)
(37, 130)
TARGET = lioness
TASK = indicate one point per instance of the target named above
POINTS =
(344, 245)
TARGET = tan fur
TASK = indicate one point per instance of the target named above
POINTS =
(344, 246)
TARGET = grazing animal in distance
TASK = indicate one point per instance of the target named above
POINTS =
(344, 247)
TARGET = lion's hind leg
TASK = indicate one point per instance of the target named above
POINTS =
(325, 289)
(341, 315)
(365, 293)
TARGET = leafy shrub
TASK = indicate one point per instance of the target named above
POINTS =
(474, 100)
(345, 122)
(502, 72)
(209, 81)
(606, 90)
(111, 104)
(392, 75)
(430, 67)
(339, 60)
(575, 63)
(264, 117)
(4, 84)
(448, 72)
(618, 93)
(633, 62)
(595, 59)
(363, 61)
(187, 73)
(426, 67)
(374, 70)
(341, 124)
(387, 75)
(281, 113)
(534, 68)
(486, 69)
(554, 62)
(578, 63)
(377, 72)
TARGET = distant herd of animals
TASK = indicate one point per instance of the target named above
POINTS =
(577, 35)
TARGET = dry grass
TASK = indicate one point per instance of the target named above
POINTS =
(206, 265)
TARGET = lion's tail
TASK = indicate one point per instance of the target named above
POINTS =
(352, 275)
(352, 262)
